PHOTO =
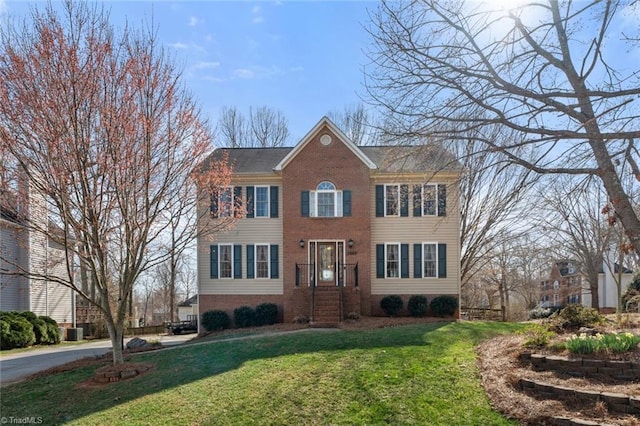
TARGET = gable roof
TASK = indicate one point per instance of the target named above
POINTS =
(324, 121)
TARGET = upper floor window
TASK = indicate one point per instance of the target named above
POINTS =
(429, 200)
(325, 201)
(391, 200)
(262, 201)
(225, 201)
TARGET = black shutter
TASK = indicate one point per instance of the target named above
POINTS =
(250, 203)
(442, 261)
(273, 198)
(304, 203)
(250, 261)
(275, 273)
(417, 261)
(442, 200)
(237, 261)
(379, 260)
(346, 203)
(417, 200)
(237, 200)
(379, 200)
(404, 200)
(404, 260)
(214, 204)
(213, 258)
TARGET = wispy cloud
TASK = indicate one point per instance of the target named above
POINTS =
(202, 65)
(256, 11)
(193, 21)
(3, 7)
(176, 45)
(243, 73)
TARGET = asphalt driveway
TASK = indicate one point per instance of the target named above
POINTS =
(15, 367)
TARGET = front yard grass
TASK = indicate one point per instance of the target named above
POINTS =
(419, 374)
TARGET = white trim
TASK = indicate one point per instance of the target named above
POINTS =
(220, 277)
(309, 136)
(255, 201)
(397, 185)
(398, 260)
(255, 261)
(423, 259)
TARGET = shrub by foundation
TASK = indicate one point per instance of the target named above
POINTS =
(417, 305)
(244, 316)
(215, 320)
(391, 305)
(444, 305)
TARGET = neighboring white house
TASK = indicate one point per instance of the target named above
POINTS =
(23, 249)
(607, 285)
(187, 308)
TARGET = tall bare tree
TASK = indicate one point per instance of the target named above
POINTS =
(107, 139)
(548, 70)
(264, 127)
(357, 123)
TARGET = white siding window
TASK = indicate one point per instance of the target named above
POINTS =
(325, 201)
(262, 201)
(430, 260)
(392, 200)
(392, 257)
(226, 261)
(262, 261)
(225, 201)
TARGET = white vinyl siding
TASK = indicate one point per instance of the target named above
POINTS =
(247, 231)
(417, 230)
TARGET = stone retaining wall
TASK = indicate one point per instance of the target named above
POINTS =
(585, 367)
(619, 403)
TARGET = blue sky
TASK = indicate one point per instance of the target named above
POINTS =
(300, 57)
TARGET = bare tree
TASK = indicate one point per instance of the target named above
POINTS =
(265, 127)
(107, 139)
(357, 123)
(545, 70)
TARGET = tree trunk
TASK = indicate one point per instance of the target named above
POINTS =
(116, 334)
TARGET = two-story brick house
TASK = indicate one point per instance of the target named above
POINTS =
(331, 228)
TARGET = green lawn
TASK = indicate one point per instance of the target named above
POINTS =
(420, 374)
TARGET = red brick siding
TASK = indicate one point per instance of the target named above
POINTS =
(313, 164)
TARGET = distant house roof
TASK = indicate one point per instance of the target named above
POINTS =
(616, 269)
(190, 301)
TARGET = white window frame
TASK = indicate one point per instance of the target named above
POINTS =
(255, 261)
(424, 259)
(337, 200)
(434, 199)
(224, 209)
(386, 204)
(386, 260)
(220, 246)
(255, 201)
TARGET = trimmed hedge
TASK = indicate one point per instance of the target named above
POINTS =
(266, 314)
(215, 320)
(244, 316)
(21, 329)
(15, 331)
(444, 305)
(391, 305)
(417, 305)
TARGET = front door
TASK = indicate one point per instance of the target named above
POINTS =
(327, 258)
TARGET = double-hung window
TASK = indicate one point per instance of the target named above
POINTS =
(262, 201)
(262, 261)
(392, 257)
(226, 261)
(325, 201)
(225, 201)
(430, 260)
(392, 200)
(429, 200)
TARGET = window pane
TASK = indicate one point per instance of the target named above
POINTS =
(429, 197)
(393, 261)
(225, 261)
(430, 260)
(326, 204)
(262, 201)
(262, 261)
(391, 198)
(326, 186)
(225, 202)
